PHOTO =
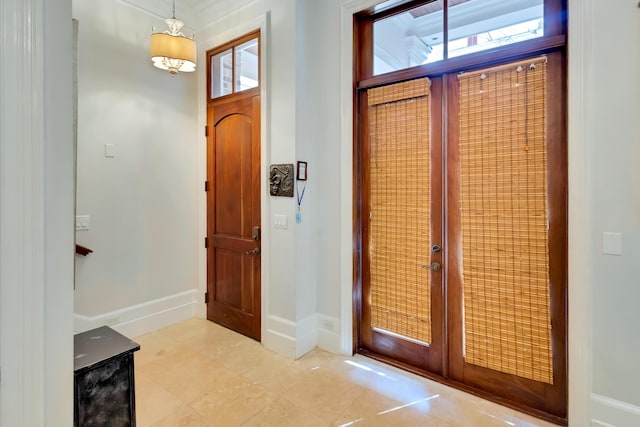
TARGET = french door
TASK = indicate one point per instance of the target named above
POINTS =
(402, 225)
(464, 230)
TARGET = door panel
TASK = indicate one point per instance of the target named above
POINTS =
(402, 176)
(507, 299)
(234, 212)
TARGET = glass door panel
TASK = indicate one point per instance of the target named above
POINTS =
(403, 286)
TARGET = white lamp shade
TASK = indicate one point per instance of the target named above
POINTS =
(167, 49)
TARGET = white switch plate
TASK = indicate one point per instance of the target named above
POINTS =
(82, 222)
(109, 150)
(280, 221)
(612, 243)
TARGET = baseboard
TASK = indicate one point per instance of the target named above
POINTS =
(279, 335)
(291, 339)
(328, 337)
(609, 412)
(145, 318)
(307, 335)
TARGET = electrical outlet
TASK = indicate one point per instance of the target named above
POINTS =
(328, 325)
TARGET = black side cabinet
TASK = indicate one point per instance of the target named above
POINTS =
(104, 384)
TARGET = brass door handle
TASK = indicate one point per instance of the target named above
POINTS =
(434, 266)
(254, 251)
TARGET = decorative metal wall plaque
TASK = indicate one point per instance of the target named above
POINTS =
(281, 180)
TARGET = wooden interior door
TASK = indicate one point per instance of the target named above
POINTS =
(233, 219)
(402, 225)
(493, 319)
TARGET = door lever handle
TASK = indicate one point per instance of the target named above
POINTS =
(254, 251)
(434, 266)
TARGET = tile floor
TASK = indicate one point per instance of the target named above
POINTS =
(197, 373)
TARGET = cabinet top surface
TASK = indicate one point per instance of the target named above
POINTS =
(100, 344)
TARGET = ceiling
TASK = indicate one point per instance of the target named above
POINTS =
(196, 14)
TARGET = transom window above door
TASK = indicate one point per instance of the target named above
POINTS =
(438, 30)
(235, 67)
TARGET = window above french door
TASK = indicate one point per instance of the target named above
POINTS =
(421, 38)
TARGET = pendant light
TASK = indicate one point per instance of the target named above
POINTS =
(172, 50)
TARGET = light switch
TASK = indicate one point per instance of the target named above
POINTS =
(612, 243)
(109, 150)
(82, 222)
(280, 221)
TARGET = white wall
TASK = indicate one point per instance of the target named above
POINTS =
(281, 258)
(319, 126)
(309, 137)
(614, 125)
(143, 202)
(36, 214)
(301, 284)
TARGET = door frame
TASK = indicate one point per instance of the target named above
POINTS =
(260, 23)
(362, 78)
(579, 141)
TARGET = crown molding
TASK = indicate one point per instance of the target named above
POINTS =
(196, 14)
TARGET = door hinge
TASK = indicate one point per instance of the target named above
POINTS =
(206, 297)
(206, 130)
(206, 242)
(206, 186)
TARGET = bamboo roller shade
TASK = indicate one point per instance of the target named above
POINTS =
(399, 209)
(503, 155)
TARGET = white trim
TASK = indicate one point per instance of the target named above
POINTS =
(348, 9)
(161, 9)
(262, 23)
(610, 412)
(580, 141)
(36, 250)
(143, 318)
(59, 210)
(346, 170)
(291, 339)
(279, 335)
(212, 14)
(306, 335)
(22, 220)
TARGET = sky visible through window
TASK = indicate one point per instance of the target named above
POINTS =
(417, 36)
(489, 40)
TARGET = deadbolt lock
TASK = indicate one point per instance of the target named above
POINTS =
(436, 249)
